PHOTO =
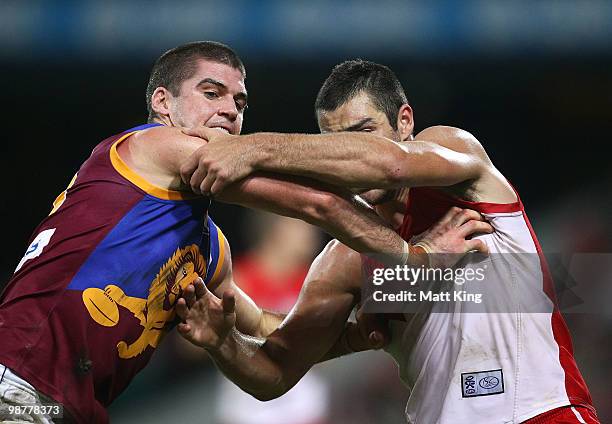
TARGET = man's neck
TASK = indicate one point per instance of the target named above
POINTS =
(164, 120)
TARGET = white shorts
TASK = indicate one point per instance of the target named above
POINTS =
(20, 402)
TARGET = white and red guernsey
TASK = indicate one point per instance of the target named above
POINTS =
(504, 365)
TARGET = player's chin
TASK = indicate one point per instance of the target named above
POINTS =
(377, 196)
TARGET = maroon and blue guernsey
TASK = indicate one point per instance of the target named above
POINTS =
(95, 292)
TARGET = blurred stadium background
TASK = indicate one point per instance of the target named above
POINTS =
(531, 79)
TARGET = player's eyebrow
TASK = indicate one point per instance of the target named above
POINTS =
(241, 95)
(213, 82)
(358, 125)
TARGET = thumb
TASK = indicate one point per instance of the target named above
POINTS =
(229, 302)
(200, 132)
(183, 328)
(377, 340)
(189, 167)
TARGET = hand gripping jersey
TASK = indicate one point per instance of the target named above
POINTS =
(504, 365)
(95, 292)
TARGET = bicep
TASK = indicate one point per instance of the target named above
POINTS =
(429, 164)
(442, 156)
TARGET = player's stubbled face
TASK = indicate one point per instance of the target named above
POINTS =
(215, 96)
(360, 114)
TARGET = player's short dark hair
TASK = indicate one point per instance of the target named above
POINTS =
(179, 64)
(353, 77)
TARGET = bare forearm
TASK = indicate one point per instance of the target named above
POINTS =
(269, 367)
(356, 225)
(250, 363)
(270, 321)
(349, 159)
(244, 360)
(337, 212)
(349, 342)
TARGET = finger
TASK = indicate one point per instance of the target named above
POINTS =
(200, 288)
(189, 295)
(189, 167)
(196, 179)
(374, 328)
(474, 227)
(205, 133)
(357, 341)
(450, 214)
(183, 328)
(477, 245)
(207, 183)
(200, 132)
(381, 330)
(218, 186)
(377, 340)
(203, 289)
(464, 216)
(229, 302)
(181, 309)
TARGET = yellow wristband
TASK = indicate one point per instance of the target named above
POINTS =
(427, 248)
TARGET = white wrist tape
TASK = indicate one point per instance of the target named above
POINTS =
(405, 253)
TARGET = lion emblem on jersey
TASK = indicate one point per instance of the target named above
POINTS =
(157, 310)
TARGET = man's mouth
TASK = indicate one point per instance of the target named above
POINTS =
(221, 127)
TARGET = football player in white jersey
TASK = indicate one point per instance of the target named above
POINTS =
(505, 365)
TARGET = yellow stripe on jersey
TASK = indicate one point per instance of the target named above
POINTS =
(127, 173)
(221, 241)
(59, 200)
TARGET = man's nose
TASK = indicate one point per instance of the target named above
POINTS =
(228, 109)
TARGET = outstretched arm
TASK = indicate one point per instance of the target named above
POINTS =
(353, 159)
(267, 368)
(157, 154)
(341, 214)
(255, 321)
(441, 156)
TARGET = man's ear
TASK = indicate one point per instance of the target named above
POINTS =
(405, 122)
(160, 101)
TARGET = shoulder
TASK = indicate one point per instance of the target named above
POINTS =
(162, 136)
(337, 250)
(161, 149)
(453, 138)
(443, 132)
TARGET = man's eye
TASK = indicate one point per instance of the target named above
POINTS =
(211, 94)
(240, 106)
(367, 129)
